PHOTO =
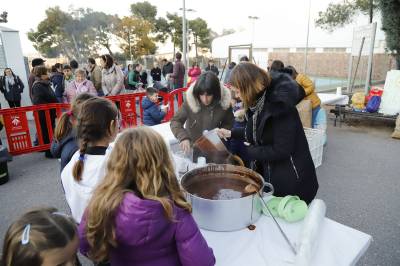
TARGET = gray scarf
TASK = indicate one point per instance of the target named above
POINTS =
(9, 82)
(256, 111)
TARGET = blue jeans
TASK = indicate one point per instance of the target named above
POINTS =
(314, 116)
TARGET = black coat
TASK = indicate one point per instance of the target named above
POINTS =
(14, 92)
(42, 93)
(168, 68)
(156, 74)
(58, 83)
(213, 68)
(65, 148)
(281, 153)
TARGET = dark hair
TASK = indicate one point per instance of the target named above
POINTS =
(287, 70)
(58, 65)
(130, 67)
(151, 91)
(54, 68)
(194, 64)
(94, 120)
(64, 125)
(277, 65)
(208, 83)
(178, 56)
(250, 80)
(294, 71)
(108, 59)
(37, 62)
(164, 60)
(91, 60)
(39, 71)
(9, 69)
(74, 64)
(244, 59)
(231, 65)
(48, 230)
(67, 67)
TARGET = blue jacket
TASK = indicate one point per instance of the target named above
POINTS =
(64, 149)
(152, 114)
(58, 83)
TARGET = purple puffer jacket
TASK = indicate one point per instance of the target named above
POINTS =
(146, 237)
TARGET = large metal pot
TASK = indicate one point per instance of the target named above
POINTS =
(218, 198)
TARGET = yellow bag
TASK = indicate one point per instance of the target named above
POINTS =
(358, 100)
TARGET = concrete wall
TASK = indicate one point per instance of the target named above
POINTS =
(15, 60)
(335, 64)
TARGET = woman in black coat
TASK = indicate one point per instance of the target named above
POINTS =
(12, 87)
(278, 147)
(42, 93)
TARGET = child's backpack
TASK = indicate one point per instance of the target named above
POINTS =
(373, 104)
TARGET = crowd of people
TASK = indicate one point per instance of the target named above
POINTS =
(126, 203)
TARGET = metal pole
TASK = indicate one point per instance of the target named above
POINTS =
(184, 32)
(308, 34)
(370, 59)
(358, 62)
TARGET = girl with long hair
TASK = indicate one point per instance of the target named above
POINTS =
(138, 215)
(64, 144)
(97, 126)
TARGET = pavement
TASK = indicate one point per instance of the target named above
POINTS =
(359, 181)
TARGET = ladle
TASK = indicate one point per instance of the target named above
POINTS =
(252, 188)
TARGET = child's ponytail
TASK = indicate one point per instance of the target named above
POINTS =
(64, 126)
(78, 167)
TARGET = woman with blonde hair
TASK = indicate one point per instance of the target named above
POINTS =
(138, 215)
(278, 147)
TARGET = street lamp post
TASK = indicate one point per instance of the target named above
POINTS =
(253, 19)
(184, 46)
(308, 34)
(185, 31)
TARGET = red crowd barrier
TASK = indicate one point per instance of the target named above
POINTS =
(19, 134)
(169, 98)
(18, 131)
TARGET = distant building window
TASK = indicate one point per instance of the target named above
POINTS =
(281, 50)
(303, 49)
(335, 50)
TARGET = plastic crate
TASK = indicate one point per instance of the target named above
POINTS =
(315, 139)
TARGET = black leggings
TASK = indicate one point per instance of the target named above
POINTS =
(14, 104)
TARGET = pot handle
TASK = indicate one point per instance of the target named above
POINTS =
(271, 192)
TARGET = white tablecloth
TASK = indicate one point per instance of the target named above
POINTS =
(330, 98)
(337, 244)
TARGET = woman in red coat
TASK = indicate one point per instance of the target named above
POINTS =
(194, 73)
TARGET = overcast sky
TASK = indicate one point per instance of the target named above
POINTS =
(219, 14)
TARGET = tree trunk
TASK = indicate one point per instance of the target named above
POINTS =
(195, 45)
(371, 7)
(173, 41)
(107, 46)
